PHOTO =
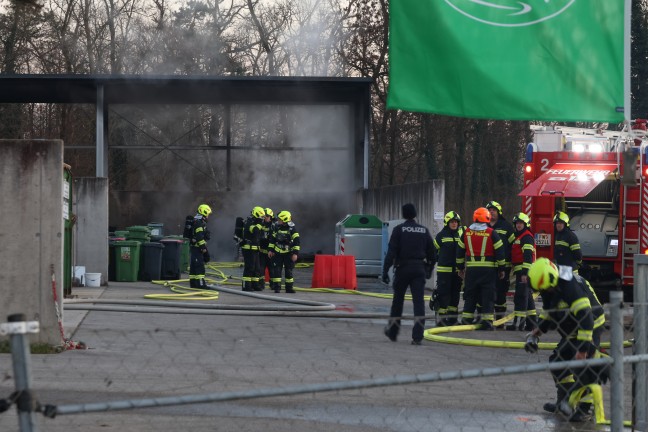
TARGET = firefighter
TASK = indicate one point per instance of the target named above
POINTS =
(522, 256)
(571, 307)
(567, 250)
(283, 249)
(506, 233)
(264, 259)
(252, 231)
(448, 281)
(480, 260)
(198, 252)
(410, 251)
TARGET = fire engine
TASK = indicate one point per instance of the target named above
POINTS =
(600, 179)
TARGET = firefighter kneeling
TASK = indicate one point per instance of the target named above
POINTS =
(571, 307)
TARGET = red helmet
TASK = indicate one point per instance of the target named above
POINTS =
(481, 215)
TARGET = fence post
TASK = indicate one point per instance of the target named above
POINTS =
(639, 322)
(616, 351)
(17, 328)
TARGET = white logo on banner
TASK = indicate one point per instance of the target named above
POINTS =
(510, 13)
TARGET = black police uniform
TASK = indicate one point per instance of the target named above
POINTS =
(410, 244)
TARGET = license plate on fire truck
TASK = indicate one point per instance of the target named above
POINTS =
(543, 239)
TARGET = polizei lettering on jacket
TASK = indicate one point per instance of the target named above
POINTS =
(414, 229)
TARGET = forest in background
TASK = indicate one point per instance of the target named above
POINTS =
(479, 160)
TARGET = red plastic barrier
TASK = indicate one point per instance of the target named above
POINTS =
(267, 275)
(334, 271)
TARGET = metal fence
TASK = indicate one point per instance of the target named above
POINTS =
(259, 368)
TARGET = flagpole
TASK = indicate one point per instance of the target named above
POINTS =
(627, 109)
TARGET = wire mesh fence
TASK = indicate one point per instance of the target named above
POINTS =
(283, 370)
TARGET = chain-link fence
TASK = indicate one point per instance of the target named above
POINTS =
(315, 360)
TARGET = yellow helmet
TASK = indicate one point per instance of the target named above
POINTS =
(494, 204)
(258, 212)
(561, 217)
(284, 216)
(269, 212)
(543, 274)
(450, 216)
(204, 210)
(522, 217)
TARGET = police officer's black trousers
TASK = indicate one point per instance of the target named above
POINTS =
(449, 292)
(196, 267)
(412, 275)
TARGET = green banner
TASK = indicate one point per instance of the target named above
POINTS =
(553, 60)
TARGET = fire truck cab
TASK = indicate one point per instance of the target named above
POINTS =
(600, 180)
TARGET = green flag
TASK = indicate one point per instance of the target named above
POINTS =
(554, 60)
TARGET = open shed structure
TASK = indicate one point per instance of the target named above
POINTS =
(163, 144)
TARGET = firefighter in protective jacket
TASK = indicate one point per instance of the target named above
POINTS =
(198, 253)
(506, 233)
(567, 250)
(284, 250)
(480, 260)
(448, 280)
(570, 307)
(252, 231)
(522, 256)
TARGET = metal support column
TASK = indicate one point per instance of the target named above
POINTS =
(640, 324)
(101, 168)
(616, 352)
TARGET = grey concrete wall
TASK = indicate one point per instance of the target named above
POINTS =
(90, 206)
(31, 232)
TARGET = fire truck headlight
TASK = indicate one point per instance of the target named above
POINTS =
(595, 148)
(578, 148)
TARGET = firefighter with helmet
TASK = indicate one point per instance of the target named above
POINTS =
(283, 250)
(198, 253)
(507, 235)
(480, 260)
(571, 307)
(567, 250)
(448, 280)
(523, 254)
(252, 231)
(264, 259)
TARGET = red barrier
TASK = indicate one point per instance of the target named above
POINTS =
(267, 275)
(334, 271)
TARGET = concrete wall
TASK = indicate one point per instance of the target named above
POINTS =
(90, 241)
(31, 232)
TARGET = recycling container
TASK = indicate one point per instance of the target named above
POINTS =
(151, 261)
(171, 258)
(139, 233)
(127, 257)
(361, 236)
(156, 228)
(184, 252)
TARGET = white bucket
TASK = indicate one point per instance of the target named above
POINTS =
(93, 279)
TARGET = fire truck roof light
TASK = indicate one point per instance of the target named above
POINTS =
(578, 148)
(528, 168)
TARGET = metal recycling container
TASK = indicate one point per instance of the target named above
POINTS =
(127, 257)
(151, 261)
(171, 258)
(361, 236)
(156, 228)
(387, 228)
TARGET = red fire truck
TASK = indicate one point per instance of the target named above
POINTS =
(600, 179)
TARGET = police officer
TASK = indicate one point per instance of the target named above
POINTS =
(480, 260)
(571, 307)
(522, 256)
(283, 249)
(506, 233)
(567, 250)
(448, 281)
(198, 253)
(410, 248)
(252, 231)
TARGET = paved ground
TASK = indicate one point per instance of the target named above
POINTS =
(134, 355)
